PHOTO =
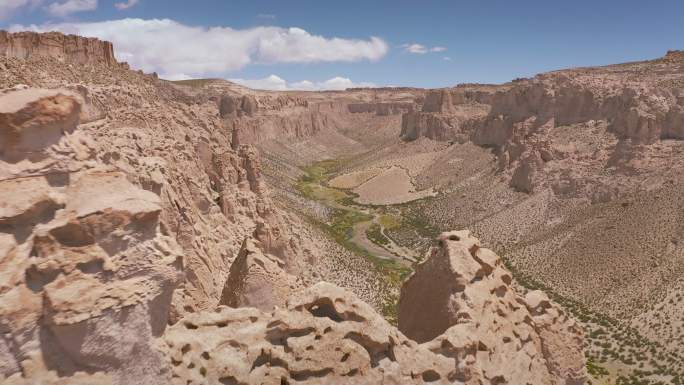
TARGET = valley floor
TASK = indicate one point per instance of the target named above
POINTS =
(617, 354)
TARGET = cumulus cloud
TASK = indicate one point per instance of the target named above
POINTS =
(277, 83)
(68, 7)
(126, 5)
(420, 49)
(8, 7)
(162, 45)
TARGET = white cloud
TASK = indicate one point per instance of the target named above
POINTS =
(420, 49)
(71, 6)
(277, 83)
(8, 7)
(446, 58)
(266, 16)
(126, 5)
(415, 48)
(168, 47)
(272, 82)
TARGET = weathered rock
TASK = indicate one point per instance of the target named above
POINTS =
(461, 297)
(257, 280)
(380, 108)
(324, 336)
(87, 276)
(640, 109)
(90, 233)
(72, 48)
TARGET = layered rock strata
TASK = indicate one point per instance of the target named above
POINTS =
(71, 48)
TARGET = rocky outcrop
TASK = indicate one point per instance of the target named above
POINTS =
(258, 279)
(87, 273)
(523, 120)
(446, 115)
(235, 106)
(462, 297)
(71, 48)
(324, 336)
(475, 330)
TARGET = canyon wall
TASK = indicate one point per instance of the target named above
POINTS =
(93, 274)
(132, 211)
(72, 48)
(524, 121)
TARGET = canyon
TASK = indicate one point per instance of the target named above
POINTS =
(201, 232)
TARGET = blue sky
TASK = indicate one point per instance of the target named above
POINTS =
(364, 41)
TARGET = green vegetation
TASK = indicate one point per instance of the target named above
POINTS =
(344, 215)
(595, 370)
(312, 184)
(611, 341)
(388, 221)
(343, 221)
(420, 224)
(374, 233)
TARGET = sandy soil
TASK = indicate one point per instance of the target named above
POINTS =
(354, 179)
(392, 186)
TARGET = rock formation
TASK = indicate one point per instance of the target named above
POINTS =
(520, 119)
(72, 48)
(460, 303)
(87, 274)
(462, 297)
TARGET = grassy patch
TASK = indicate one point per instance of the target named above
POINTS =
(389, 222)
(321, 193)
(374, 233)
(595, 370)
(311, 185)
(343, 222)
(420, 224)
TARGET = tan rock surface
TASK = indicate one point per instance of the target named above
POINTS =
(87, 275)
(462, 297)
(326, 335)
(77, 49)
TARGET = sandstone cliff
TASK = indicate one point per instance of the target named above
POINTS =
(89, 275)
(71, 48)
(528, 121)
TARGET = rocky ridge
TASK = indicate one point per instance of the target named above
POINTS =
(71, 48)
(623, 109)
(326, 335)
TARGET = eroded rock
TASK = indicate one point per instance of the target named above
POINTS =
(460, 302)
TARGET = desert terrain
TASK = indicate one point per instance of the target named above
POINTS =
(201, 232)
